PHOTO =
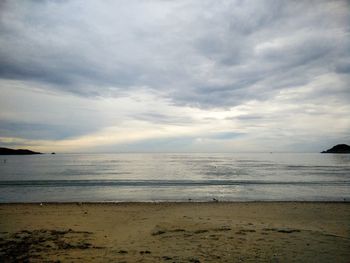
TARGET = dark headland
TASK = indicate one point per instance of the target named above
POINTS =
(340, 148)
(7, 151)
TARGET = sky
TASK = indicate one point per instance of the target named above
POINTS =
(174, 76)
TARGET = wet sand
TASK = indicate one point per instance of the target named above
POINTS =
(175, 232)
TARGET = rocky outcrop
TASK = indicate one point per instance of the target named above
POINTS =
(340, 148)
(7, 151)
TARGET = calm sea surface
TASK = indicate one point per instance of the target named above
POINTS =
(175, 177)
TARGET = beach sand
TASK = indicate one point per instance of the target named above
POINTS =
(175, 232)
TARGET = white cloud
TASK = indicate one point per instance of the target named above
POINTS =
(79, 74)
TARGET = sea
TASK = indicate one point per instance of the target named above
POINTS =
(178, 177)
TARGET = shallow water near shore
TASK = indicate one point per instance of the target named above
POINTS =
(175, 177)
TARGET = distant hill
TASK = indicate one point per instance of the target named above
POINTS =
(340, 148)
(7, 151)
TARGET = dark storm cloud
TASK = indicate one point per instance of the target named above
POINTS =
(205, 54)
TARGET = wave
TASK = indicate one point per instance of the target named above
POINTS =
(161, 183)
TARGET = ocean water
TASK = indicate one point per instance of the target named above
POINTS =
(193, 177)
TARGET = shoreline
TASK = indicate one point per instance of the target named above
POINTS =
(171, 202)
(175, 232)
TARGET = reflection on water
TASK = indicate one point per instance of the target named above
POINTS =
(177, 177)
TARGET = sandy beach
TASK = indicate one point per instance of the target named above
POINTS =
(175, 232)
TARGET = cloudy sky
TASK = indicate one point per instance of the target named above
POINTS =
(178, 76)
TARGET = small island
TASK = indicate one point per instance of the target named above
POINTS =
(7, 151)
(340, 148)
